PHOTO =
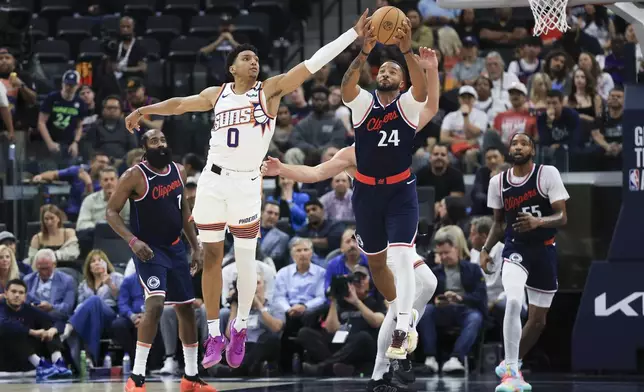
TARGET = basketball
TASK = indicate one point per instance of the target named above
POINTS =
(385, 21)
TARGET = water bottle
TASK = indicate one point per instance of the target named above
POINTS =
(296, 363)
(12, 152)
(126, 364)
(107, 361)
(83, 364)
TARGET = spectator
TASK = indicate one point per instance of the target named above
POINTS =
(504, 31)
(50, 290)
(494, 162)
(283, 130)
(318, 79)
(109, 133)
(319, 129)
(598, 24)
(341, 112)
(462, 129)
(8, 239)
(452, 211)
(558, 130)
(60, 121)
(27, 336)
(584, 98)
(92, 210)
(273, 242)
(603, 80)
(467, 24)
(86, 93)
(345, 263)
(529, 62)
(557, 66)
(487, 103)
(517, 119)
(324, 233)
(433, 14)
(337, 203)
(471, 65)
(136, 97)
(353, 310)
(291, 201)
(134, 157)
(460, 301)
(446, 180)
(450, 46)
(97, 301)
(82, 178)
(299, 287)
(461, 242)
(540, 84)
(193, 165)
(218, 50)
(609, 135)
(421, 35)
(54, 236)
(615, 62)
(8, 268)
(299, 108)
(130, 57)
(494, 66)
(7, 118)
(631, 38)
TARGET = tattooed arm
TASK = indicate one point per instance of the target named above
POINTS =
(349, 87)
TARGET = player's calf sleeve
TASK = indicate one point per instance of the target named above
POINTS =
(384, 340)
(404, 258)
(246, 278)
(426, 283)
(513, 278)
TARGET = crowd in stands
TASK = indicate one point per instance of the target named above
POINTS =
(62, 292)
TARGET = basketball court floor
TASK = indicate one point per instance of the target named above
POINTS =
(555, 383)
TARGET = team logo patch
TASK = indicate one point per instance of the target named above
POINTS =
(359, 240)
(153, 282)
(516, 258)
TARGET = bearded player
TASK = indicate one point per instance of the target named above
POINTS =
(530, 200)
(229, 190)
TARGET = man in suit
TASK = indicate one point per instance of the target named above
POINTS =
(50, 290)
(273, 242)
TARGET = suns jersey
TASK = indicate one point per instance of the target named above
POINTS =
(242, 129)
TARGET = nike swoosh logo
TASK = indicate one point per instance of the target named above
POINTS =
(224, 96)
(151, 178)
(376, 107)
(506, 189)
(409, 182)
(253, 179)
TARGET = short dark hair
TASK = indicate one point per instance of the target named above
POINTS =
(320, 89)
(493, 148)
(314, 202)
(232, 56)
(555, 94)
(18, 282)
(442, 145)
(618, 87)
(97, 153)
(524, 134)
(115, 97)
(270, 203)
(193, 160)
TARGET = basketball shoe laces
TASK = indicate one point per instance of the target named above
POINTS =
(398, 338)
(240, 342)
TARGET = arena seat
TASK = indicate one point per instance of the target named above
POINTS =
(110, 25)
(116, 249)
(74, 30)
(152, 47)
(90, 49)
(204, 26)
(53, 10)
(184, 9)
(52, 50)
(277, 11)
(220, 7)
(39, 29)
(163, 28)
(182, 58)
(256, 27)
(140, 11)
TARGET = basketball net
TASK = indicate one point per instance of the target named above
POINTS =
(549, 15)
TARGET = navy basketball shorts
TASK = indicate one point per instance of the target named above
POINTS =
(539, 261)
(167, 274)
(386, 215)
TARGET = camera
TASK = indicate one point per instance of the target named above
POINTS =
(233, 294)
(339, 288)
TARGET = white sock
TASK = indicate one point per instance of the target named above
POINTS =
(213, 328)
(141, 358)
(405, 284)
(513, 278)
(246, 283)
(384, 340)
(190, 359)
(34, 360)
(66, 332)
(56, 356)
(425, 287)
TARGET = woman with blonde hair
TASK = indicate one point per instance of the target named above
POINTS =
(8, 268)
(540, 84)
(53, 235)
(97, 299)
(450, 45)
(461, 242)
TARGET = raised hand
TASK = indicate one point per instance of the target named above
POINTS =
(427, 58)
(271, 167)
(132, 121)
(403, 36)
(362, 26)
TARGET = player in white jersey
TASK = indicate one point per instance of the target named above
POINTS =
(229, 190)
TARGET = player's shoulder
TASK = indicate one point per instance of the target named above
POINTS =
(211, 92)
(496, 179)
(549, 171)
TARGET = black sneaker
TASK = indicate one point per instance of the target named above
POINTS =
(381, 385)
(402, 374)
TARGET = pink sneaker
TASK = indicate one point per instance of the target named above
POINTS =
(213, 347)
(237, 348)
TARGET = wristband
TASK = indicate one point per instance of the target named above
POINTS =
(138, 111)
(363, 52)
(408, 52)
(132, 241)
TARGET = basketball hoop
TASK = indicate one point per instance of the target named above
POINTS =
(549, 15)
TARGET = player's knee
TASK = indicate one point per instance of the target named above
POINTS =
(185, 311)
(154, 307)
(212, 237)
(245, 243)
(213, 255)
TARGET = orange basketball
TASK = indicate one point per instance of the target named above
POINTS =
(385, 21)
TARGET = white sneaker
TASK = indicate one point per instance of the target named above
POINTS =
(412, 335)
(431, 363)
(170, 366)
(453, 365)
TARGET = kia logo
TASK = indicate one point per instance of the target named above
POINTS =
(623, 306)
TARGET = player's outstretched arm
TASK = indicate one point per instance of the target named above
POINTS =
(349, 87)
(310, 174)
(202, 102)
(427, 60)
(416, 73)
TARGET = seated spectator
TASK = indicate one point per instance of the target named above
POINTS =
(299, 107)
(439, 174)
(229, 277)
(341, 112)
(97, 304)
(615, 62)
(467, 25)
(433, 14)
(603, 80)
(450, 46)
(86, 93)
(452, 211)
(283, 130)
(8, 239)
(539, 85)
(109, 133)
(504, 31)
(83, 180)
(421, 35)
(54, 236)
(137, 97)
(318, 79)
(462, 129)
(132, 158)
(50, 290)
(193, 165)
(460, 301)
(27, 336)
(354, 310)
(558, 131)
(337, 203)
(345, 263)
(470, 66)
(584, 97)
(291, 201)
(558, 66)
(608, 137)
(8, 268)
(597, 23)
(130, 59)
(263, 342)
(461, 244)
(494, 69)
(486, 103)
(299, 287)
(517, 119)
(273, 242)
(324, 233)
(494, 162)
(529, 63)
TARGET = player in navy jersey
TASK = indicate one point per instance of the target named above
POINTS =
(384, 197)
(159, 215)
(530, 200)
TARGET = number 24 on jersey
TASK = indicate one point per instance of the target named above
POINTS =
(389, 139)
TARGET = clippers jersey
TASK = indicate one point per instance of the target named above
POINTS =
(242, 129)
(525, 197)
(384, 139)
(156, 217)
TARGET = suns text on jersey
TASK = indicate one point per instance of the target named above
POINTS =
(233, 117)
